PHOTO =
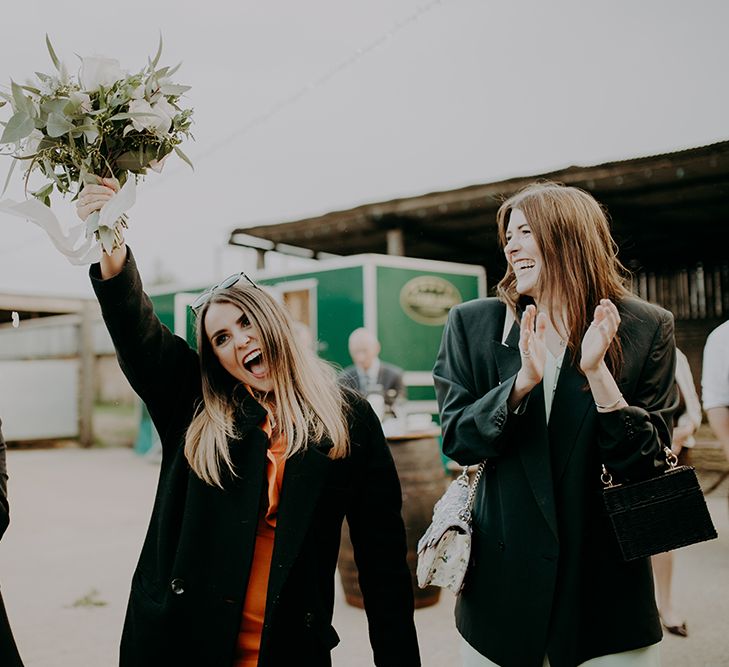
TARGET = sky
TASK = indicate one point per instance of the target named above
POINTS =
(307, 107)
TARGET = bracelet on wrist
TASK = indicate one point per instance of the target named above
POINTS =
(612, 405)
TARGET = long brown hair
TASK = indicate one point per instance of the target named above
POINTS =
(580, 258)
(307, 402)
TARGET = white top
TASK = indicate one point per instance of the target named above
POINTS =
(552, 366)
(691, 415)
(715, 371)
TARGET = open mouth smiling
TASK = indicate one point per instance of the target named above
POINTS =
(523, 265)
(253, 363)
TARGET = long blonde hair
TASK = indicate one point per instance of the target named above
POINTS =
(581, 264)
(307, 403)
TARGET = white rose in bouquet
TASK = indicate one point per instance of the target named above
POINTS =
(82, 101)
(166, 112)
(155, 117)
(97, 72)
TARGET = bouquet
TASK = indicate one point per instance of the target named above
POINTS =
(102, 122)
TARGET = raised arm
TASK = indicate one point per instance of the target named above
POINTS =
(161, 367)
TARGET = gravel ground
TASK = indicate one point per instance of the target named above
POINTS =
(78, 519)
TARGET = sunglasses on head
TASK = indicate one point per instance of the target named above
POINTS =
(230, 281)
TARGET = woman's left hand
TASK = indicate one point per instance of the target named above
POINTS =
(599, 335)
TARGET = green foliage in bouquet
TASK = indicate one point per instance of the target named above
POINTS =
(101, 122)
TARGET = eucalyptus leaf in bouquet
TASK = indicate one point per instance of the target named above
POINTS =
(100, 123)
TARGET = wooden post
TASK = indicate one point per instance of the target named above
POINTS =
(87, 359)
(395, 242)
(260, 259)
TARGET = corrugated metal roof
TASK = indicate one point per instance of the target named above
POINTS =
(652, 201)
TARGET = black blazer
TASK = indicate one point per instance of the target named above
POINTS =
(9, 656)
(190, 583)
(546, 575)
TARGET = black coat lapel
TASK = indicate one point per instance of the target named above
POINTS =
(532, 441)
(570, 406)
(304, 476)
(506, 354)
(232, 515)
(533, 445)
(225, 520)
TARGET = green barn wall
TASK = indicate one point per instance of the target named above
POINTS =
(405, 342)
(340, 308)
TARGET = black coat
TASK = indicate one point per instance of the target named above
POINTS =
(188, 588)
(546, 575)
(9, 656)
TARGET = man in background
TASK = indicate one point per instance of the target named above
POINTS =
(370, 375)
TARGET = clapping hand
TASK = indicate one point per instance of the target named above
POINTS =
(599, 335)
(532, 346)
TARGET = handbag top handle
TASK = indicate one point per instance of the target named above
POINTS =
(671, 459)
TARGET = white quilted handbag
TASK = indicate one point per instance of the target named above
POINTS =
(445, 548)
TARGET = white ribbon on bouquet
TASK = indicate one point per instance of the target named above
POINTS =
(75, 243)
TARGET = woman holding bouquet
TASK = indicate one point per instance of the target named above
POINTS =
(263, 457)
(565, 371)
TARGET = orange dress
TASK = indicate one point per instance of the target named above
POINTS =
(254, 606)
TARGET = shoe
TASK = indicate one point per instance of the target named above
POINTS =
(680, 630)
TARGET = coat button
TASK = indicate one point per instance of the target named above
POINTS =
(501, 546)
(177, 586)
(309, 619)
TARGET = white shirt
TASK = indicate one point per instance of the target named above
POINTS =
(715, 369)
(552, 366)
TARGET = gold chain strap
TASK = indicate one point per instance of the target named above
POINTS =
(465, 513)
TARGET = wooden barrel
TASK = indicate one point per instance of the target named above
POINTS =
(423, 480)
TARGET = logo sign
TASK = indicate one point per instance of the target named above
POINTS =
(428, 299)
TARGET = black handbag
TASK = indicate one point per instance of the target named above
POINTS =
(658, 514)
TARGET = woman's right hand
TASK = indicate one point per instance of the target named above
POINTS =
(94, 196)
(532, 345)
(533, 351)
